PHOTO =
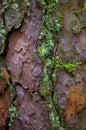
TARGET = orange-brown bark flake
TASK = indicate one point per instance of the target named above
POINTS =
(76, 101)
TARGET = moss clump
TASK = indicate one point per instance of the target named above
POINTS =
(70, 67)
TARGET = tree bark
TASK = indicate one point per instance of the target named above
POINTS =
(43, 51)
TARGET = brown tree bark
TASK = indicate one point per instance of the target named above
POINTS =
(21, 58)
(26, 69)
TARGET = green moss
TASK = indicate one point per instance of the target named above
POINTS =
(46, 46)
(2, 36)
(2, 75)
(13, 13)
(53, 63)
(14, 4)
(13, 109)
(70, 67)
(84, 8)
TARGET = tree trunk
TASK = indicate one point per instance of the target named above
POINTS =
(42, 70)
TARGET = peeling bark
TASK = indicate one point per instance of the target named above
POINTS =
(72, 48)
(26, 69)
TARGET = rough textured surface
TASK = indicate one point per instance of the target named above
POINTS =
(4, 80)
(76, 101)
(35, 117)
(71, 87)
(72, 97)
(22, 59)
(64, 81)
(72, 26)
(26, 69)
(4, 102)
(11, 16)
(80, 43)
(14, 13)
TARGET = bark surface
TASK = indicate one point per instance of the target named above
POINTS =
(23, 68)
(26, 69)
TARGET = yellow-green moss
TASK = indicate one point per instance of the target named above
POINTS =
(13, 108)
(46, 46)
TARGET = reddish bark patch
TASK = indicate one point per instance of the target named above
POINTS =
(4, 108)
(64, 81)
(23, 61)
(32, 112)
(7, 76)
(76, 102)
(4, 103)
(26, 69)
(72, 94)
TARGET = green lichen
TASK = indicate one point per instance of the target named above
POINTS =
(53, 63)
(70, 67)
(12, 13)
(14, 4)
(84, 8)
(2, 75)
(2, 36)
(46, 46)
(13, 108)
